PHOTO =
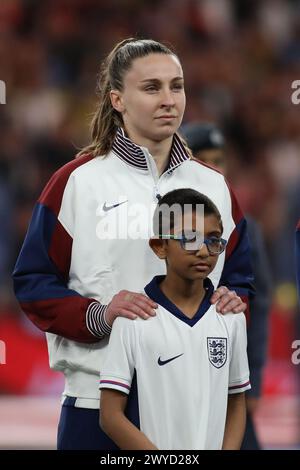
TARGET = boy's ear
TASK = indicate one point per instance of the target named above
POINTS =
(158, 246)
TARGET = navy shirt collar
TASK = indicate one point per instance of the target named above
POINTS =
(154, 292)
(133, 154)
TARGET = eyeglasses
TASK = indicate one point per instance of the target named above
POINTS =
(194, 242)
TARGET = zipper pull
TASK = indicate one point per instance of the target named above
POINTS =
(156, 194)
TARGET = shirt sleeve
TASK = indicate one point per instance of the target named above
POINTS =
(259, 307)
(41, 272)
(237, 273)
(238, 369)
(119, 364)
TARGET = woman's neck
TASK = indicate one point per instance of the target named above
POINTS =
(187, 295)
(160, 152)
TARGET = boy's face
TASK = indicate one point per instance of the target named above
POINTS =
(190, 264)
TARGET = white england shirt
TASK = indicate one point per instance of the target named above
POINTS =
(178, 371)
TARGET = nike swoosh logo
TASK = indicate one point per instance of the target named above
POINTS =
(106, 208)
(162, 363)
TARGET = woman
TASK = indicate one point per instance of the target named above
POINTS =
(85, 257)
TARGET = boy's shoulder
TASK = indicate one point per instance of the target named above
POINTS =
(123, 323)
(234, 320)
(137, 323)
(236, 326)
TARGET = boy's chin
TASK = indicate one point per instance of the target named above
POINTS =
(197, 276)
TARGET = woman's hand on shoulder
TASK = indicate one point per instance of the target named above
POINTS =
(227, 301)
(130, 305)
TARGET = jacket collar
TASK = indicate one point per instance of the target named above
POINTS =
(133, 154)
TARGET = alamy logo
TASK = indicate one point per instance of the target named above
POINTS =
(217, 351)
(134, 220)
(2, 92)
(2, 353)
(295, 97)
(296, 354)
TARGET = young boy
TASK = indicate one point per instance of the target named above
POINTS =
(186, 368)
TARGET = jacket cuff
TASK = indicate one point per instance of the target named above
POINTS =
(95, 320)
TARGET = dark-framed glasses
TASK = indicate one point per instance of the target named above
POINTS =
(194, 241)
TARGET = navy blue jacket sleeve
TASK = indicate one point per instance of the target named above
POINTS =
(41, 272)
(237, 273)
(259, 307)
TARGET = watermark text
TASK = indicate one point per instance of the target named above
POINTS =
(295, 358)
(2, 92)
(121, 221)
(2, 352)
(295, 97)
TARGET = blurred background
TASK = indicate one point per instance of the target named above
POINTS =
(240, 59)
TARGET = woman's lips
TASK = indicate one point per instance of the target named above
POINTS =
(167, 117)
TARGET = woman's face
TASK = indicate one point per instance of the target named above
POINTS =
(152, 101)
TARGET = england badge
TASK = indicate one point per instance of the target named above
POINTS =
(217, 351)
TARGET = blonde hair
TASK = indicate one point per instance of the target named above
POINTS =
(106, 119)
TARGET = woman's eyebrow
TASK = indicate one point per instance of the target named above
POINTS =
(157, 80)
